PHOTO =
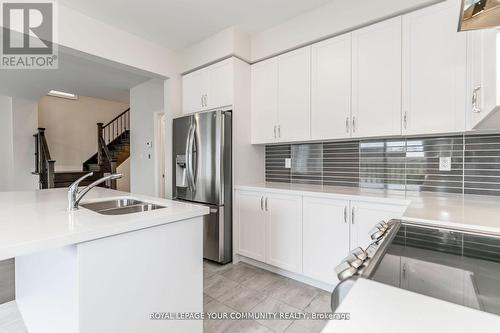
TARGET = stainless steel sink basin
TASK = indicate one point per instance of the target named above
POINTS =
(121, 206)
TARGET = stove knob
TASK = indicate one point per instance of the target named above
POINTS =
(354, 261)
(376, 233)
(371, 250)
(383, 224)
(345, 271)
(382, 227)
(359, 253)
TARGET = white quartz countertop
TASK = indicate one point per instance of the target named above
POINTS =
(376, 307)
(467, 212)
(32, 221)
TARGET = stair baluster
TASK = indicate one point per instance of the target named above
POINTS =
(106, 134)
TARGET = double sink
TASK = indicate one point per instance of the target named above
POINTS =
(121, 206)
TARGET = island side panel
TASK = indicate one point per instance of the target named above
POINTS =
(125, 278)
(46, 290)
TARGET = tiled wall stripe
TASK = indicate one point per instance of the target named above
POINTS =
(410, 164)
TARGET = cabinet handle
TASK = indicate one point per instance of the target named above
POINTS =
(275, 131)
(352, 215)
(354, 124)
(347, 124)
(405, 120)
(475, 100)
(261, 203)
(345, 214)
(206, 100)
(265, 205)
(202, 101)
(279, 131)
(404, 271)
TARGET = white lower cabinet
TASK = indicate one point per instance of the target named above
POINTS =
(251, 225)
(326, 237)
(269, 228)
(305, 234)
(365, 215)
(284, 231)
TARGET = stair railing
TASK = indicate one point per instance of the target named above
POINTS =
(105, 135)
(44, 164)
(116, 127)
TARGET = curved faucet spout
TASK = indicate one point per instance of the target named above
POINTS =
(74, 196)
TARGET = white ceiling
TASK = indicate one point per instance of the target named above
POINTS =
(179, 23)
(76, 74)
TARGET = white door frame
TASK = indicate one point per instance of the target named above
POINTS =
(160, 154)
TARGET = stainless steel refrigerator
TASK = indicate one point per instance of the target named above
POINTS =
(202, 165)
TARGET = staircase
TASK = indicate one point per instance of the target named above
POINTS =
(113, 148)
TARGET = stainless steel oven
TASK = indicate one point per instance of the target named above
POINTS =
(453, 265)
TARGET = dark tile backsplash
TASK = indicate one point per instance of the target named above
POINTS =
(410, 164)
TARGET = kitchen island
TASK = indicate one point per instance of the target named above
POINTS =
(86, 271)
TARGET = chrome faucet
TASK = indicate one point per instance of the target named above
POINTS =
(74, 196)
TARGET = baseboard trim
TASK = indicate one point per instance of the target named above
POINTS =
(294, 276)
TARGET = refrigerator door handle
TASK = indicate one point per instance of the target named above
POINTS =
(189, 157)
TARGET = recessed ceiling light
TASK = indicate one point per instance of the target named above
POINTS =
(62, 94)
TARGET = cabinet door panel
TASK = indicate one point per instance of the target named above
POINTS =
(376, 79)
(294, 95)
(193, 89)
(331, 88)
(264, 101)
(434, 70)
(284, 232)
(221, 83)
(482, 59)
(250, 225)
(326, 237)
(365, 215)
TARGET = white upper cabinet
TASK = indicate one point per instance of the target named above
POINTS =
(326, 237)
(264, 101)
(193, 91)
(281, 98)
(331, 89)
(483, 88)
(220, 84)
(376, 79)
(294, 95)
(434, 70)
(208, 88)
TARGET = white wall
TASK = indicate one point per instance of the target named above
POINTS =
(333, 18)
(25, 124)
(6, 146)
(83, 33)
(146, 100)
(18, 123)
(223, 44)
(123, 184)
(75, 31)
(71, 128)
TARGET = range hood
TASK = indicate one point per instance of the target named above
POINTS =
(479, 14)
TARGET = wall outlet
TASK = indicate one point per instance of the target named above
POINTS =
(288, 163)
(445, 164)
